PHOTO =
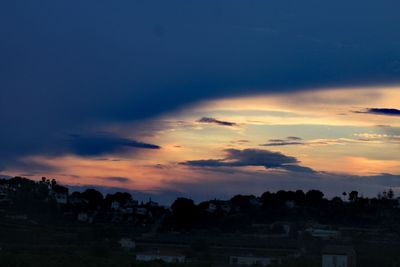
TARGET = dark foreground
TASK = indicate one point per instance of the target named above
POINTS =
(41, 225)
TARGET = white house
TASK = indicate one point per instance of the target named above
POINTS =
(115, 205)
(323, 234)
(338, 256)
(85, 217)
(257, 202)
(170, 257)
(212, 208)
(127, 243)
(127, 210)
(252, 260)
(226, 206)
(141, 211)
(61, 198)
(290, 204)
(214, 205)
(4, 196)
(398, 202)
(60, 194)
(76, 199)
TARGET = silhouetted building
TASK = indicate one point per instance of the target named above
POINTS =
(338, 256)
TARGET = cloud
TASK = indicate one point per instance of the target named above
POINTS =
(282, 143)
(99, 144)
(289, 141)
(215, 121)
(252, 157)
(359, 138)
(28, 165)
(380, 111)
(86, 144)
(117, 179)
(294, 138)
(373, 137)
(239, 142)
(297, 168)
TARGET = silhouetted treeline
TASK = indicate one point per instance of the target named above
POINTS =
(242, 211)
(48, 200)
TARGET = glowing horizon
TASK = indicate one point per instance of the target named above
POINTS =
(331, 133)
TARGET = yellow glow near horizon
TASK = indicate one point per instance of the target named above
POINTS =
(334, 106)
(334, 138)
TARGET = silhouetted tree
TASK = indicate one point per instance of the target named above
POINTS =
(314, 197)
(182, 205)
(283, 196)
(300, 197)
(337, 200)
(184, 212)
(53, 183)
(266, 197)
(353, 195)
(42, 190)
(390, 194)
(93, 197)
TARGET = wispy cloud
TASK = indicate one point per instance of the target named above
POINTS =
(377, 137)
(116, 179)
(288, 141)
(282, 143)
(294, 138)
(215, 121)
(358, 138)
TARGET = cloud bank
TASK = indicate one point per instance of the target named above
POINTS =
(100, 144)
(252, 157)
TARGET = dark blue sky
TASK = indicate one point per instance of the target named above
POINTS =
(66, 66)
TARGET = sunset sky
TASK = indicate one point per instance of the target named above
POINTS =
(202, 99)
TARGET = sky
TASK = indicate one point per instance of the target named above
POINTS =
(202, 98)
